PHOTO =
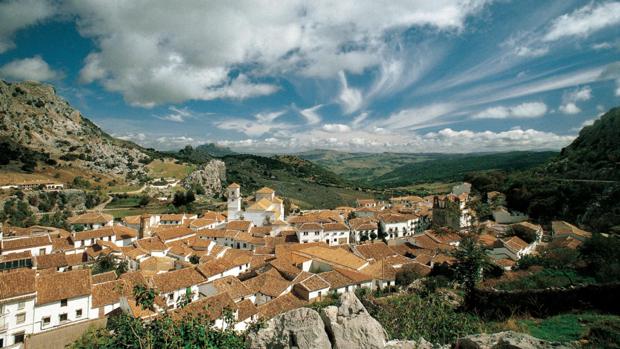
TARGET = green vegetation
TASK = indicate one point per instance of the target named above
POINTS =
(306, 184)
(203, 153)
(447, 167)
(167, 168)
(471, 260)
(602, 331)
(11, 151)
(105, 263)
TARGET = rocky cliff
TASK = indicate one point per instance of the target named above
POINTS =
(209, 177)
(349, 326)
(33, 116)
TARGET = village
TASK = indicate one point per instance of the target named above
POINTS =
(246, 264)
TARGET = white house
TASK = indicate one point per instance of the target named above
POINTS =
(62, 299)
(91, 220)
(175, 286)
(36, 245)
(17, 299)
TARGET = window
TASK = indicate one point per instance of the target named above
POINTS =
(19, 337)
(63, 302)
(41, 252)
(78, 313)
(20, 318)
(46, 320)
(21, 305)
(62, 317)
(171, 296)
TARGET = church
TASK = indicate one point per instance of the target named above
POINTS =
(266, 208)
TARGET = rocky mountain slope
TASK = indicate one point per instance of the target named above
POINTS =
(34, 118)
(595, 154)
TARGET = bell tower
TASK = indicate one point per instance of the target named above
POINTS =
(234, 201)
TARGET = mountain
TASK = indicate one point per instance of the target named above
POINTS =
(447, 167)
(215, 150)
(203, 153)
(305, 183)
(41, 133)
(594, 154)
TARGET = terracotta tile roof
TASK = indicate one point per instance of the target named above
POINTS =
(426, 242)
(239, 225)
(110, 292)
(216, 216)
(561, 228)
(247, 309)
(380, 270)
(15, 256)
(91, 218)
(269, 284)
(441, 258)
(265, 190)
(201, 222)
(515, 244)
(261, 205)
(157, 264)
(151, 244)
(264, 230)
(335, 227)
(172, 217)
(376, 250)
(211, 307)
(443, 237)
(314, 283)
(93, 234)
(335, 257)
(231, 285)
(137, 311)
(366, 226)
(338, 278)
(23, 243)
(280, 305)
(16, 283)
(171, 233)
(75, 259)
(177, 279)
(62, 244)
(104, 277)
(135, 253)
(133, 220)
(285, 267)
(505, 262)
(211, 268)
(310, 227)
(566, 242)
(56, 286)
(134, 278)
(54, 260)
(396, 218)
(487, 240)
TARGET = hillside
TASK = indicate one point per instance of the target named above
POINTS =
(363, 167)
(305, 183)
(580, 185)
(42, 136)
(449, 167)
(595, 154)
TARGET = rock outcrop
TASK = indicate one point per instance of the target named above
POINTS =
(507, 340)
(349, 325)
(299, 328)
(209, 177)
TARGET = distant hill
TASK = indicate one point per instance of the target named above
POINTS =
(595, 154)
(41, 133)
(402, 169)
(449, 167)
(203, 153)
(305, 183)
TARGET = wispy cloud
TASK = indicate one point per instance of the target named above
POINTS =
(523, 110)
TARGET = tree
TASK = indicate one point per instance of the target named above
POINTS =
(145, 297)
(144, 200)
(104, 263)
(471, 261)
(194, 259)
(373, 236)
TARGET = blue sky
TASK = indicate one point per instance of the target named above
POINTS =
(285, 76)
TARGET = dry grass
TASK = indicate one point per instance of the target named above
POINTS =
(169, 168)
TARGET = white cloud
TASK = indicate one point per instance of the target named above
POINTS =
(177, 114)
(336, 128)
(412, 118)
(523, 110)
(612, 71)
(20, 14)
(34, 68)
(156, 52)
(350, 98)
(584, 21)
(525, 51)
(262, 123)
(311, 115)
(570, 99)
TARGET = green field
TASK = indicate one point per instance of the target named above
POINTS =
(169, 169)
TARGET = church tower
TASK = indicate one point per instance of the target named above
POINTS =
(234, 201)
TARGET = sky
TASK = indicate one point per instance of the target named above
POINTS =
(351, 75)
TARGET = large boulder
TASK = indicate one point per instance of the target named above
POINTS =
(209, 177)
(299, 328)
(350, 326)
(507, 340)
(411, 344)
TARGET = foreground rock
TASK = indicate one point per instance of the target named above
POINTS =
(299, 328)
(350, 326)
(507, 340)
